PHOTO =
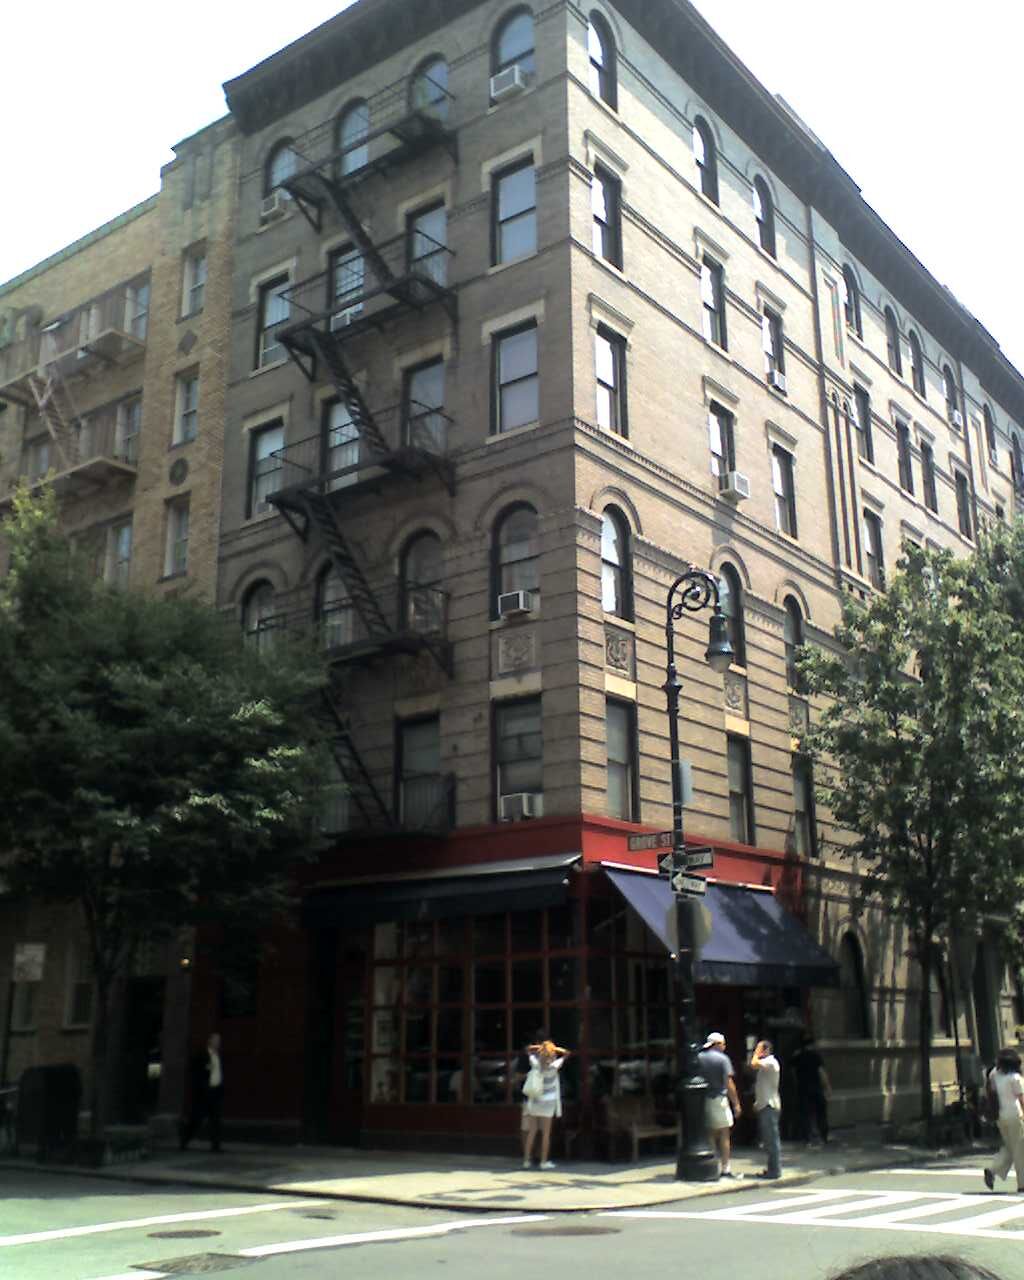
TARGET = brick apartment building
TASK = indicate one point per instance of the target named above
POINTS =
(532, 306)
(112, 383)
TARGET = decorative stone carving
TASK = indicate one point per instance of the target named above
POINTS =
(798, 718)
(179, 471)
(618, 651)
(736, 694)
(517, 650)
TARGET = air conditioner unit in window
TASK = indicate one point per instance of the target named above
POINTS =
(734, 485)
(342, 319)
(777, 379)
(523, 804)
(957, 419)
(507, 83)
(274, 206)
(514, 603)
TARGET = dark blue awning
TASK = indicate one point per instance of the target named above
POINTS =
(754, 942)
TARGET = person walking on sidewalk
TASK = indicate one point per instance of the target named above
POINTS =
(768, 1105)
(543, 1092)
(207, 1094)
(722, 1103)
(814, 1089)
(1005, 1081)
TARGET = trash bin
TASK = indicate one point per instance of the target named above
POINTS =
(48, 1103)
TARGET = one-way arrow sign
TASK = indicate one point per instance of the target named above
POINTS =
(696, 885)
(696, 857)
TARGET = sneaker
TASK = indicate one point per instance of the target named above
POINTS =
(548, 1164)
(727, 1173)
(770, 1177)
(990, 1178)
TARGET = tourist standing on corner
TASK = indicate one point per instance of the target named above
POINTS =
(543, 1093)
(207, 1094)
(723, 1102)
(1005, 1080)
(768, 1105)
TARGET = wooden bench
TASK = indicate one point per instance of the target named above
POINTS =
(635, 1116)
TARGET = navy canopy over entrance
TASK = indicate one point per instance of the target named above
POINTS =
(754, 940)
(516, 885)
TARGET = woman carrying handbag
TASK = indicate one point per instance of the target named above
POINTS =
(542, 1091)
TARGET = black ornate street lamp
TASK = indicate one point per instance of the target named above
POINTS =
(691, 592)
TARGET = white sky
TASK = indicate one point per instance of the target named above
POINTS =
(919, 100)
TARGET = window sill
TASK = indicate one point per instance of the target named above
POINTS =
(613, 619)
(180, 444)
(173, 577)
(189, 315)
(498, 267)
(274, 222)
(516, 97)
(520, 619)
(258, 517)
(722, 351)
(512, 432)
(265, 368)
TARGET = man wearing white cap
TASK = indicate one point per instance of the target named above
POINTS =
(723, 1102)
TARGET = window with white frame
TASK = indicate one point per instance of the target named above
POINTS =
(79, 986)
(264, 467)
(606, 207)
(193, 285)
(601, 52)
(764, 213)
(721, 439)
(516, 378)
(706, 157)
(873, 555)
(610, 371)
(514, 212)
(129, 424)
(186, 413)
(712, 297)
(784, 488)
(346, 285)
(137, 309)
(350, 136)
(118, 560)
(176, 549)
(272, 311)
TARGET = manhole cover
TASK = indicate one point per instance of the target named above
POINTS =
(198, 1264)
(182, 1235)
(566, 1231)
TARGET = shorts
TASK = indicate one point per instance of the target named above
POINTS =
(718, 1113)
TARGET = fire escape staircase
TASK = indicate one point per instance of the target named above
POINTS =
(56, 410)
(358, 783)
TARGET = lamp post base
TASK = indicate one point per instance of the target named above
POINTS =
(695, 1160)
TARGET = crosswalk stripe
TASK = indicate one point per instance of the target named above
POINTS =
(376, 1237)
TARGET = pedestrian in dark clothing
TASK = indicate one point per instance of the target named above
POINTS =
(207, 1095)
(813, 1090)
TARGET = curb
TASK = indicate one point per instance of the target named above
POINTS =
(686, 1190)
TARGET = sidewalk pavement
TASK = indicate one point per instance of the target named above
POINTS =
(484, 1183)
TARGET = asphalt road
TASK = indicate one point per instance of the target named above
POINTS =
(68, 1228)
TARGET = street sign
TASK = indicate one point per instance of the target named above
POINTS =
(667, 863)
(695, 858)
(654, 840)
(682, 883)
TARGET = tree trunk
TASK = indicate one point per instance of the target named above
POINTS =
(100, 1091)
(925, 1028)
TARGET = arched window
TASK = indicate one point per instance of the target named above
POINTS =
(949, 390)
(990, 432)
(706, 158)
(892, 342)
(616, 592)
(282, 164)
(601, 48)
(258, 616)
(764, 212)
(513, 44)
(516, 552)
(350, 133)
(333, 610)
(793, 636)
(916, 363)
(730, 596)
(422, 574)
(429, 89)
(851, 301)
(854, 989)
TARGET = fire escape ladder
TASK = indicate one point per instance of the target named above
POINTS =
(363, 420)
(363, 598)
(360, 785)
(56, 409)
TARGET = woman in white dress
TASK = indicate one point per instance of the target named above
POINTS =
(540, 1109)
(1005, 1081)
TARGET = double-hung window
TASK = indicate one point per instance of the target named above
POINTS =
(862, 423)
(804, 822)
(784, 488)
(193, 282)
(176, 546)
(514, 212)
(264, 467)
(186, 414)
(873, 555)
(990, 434)
(712, 297)
(963, 503)
(764, 213)
(774, 349)
(741, 805)
(931, 499)
(129, 424)
(516, 381)
(906, 470)
(519, 747)
(423, 402)
(620, 737)
(79, 988)
(610, 368)
(892, 342)
(428, 243)
(916, 364)
(273, 310)
(722, 440)
(346, 277)
(118, 560)
(137, 312)
(420, 792)
(606, 205)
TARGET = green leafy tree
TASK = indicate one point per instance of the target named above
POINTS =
(157, 772)
(921, 741)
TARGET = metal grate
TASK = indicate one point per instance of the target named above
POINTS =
(198, 1264)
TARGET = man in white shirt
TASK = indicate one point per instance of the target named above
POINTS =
(768, 1105)
(207, 1095)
